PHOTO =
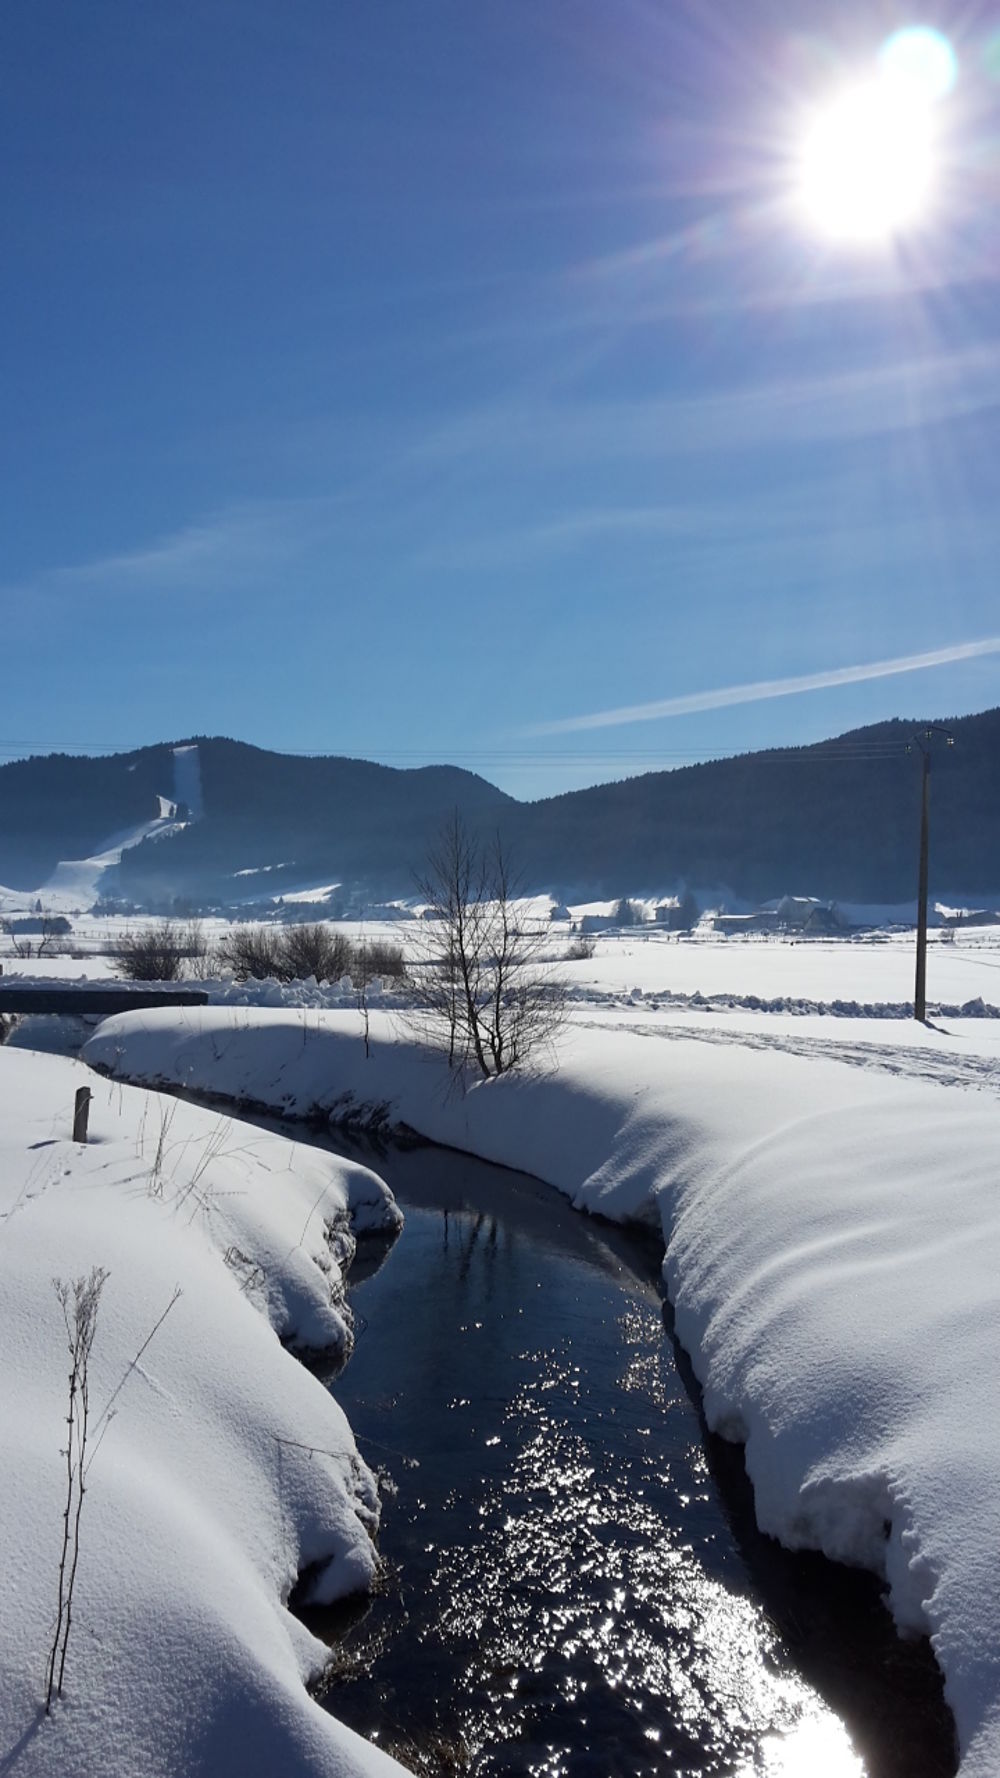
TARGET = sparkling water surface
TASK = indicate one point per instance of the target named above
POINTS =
(572, 1581)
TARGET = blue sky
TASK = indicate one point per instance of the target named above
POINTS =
(411, 380)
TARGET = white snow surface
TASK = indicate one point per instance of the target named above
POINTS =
(187, 780)
(833, 1249)
(75, 883)
(221, 1467)
(876, 967)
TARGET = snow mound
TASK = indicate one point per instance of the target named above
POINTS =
(221, 1467)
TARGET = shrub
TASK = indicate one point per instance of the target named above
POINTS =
(580, 949)
(152, 954)
(251, 952)
(285, 953)
(377, 958)
(313, 950)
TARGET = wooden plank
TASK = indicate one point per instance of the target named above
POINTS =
(103, 1000)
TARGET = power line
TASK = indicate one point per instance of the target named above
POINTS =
(806, 752)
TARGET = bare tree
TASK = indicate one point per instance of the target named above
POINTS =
(362, 977)
(483, 992)
(50, 930)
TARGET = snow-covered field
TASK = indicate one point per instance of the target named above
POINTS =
(833, 1245)
(867, 967)
(219, 1467)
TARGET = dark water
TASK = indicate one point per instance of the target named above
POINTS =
(572, 1580)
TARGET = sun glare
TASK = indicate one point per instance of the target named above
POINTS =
(868, 160)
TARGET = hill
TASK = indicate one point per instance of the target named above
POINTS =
(838, 819)
(217, 822)
(248, 821)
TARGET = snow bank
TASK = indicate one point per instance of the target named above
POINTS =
(833, 1246)
(221, 1467)
(795, 1005)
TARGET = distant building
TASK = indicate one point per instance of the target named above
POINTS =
(598, 922)
(792, 913)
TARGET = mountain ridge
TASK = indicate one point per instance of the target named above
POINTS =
(837, 818)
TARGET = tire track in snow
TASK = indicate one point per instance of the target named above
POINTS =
(975, 1073)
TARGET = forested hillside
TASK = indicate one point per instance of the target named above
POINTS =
(839, 819)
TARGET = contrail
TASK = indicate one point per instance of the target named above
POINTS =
(758, 690)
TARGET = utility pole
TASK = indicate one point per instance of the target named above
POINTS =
(923, 743)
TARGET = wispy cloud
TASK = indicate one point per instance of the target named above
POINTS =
(758, 691)
(223, 550)
(868, 401)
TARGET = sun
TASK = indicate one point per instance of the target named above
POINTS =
(869, 159)
(866, 170)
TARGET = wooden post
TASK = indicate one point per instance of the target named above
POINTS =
(81, 1113)
(920, 989)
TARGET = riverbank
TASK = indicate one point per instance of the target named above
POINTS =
(833, 1240)
(217, 1467)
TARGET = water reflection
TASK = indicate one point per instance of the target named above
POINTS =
(817, 1747)
(563, 1594)
(586, 1583)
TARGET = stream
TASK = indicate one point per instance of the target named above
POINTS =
(572, 1580)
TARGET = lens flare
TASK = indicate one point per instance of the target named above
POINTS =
(921, 61)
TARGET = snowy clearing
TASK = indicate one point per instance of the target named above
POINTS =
(868, 968)
(833, 1244)
(220, 1467)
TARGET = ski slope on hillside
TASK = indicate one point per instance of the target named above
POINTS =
(75, 884)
